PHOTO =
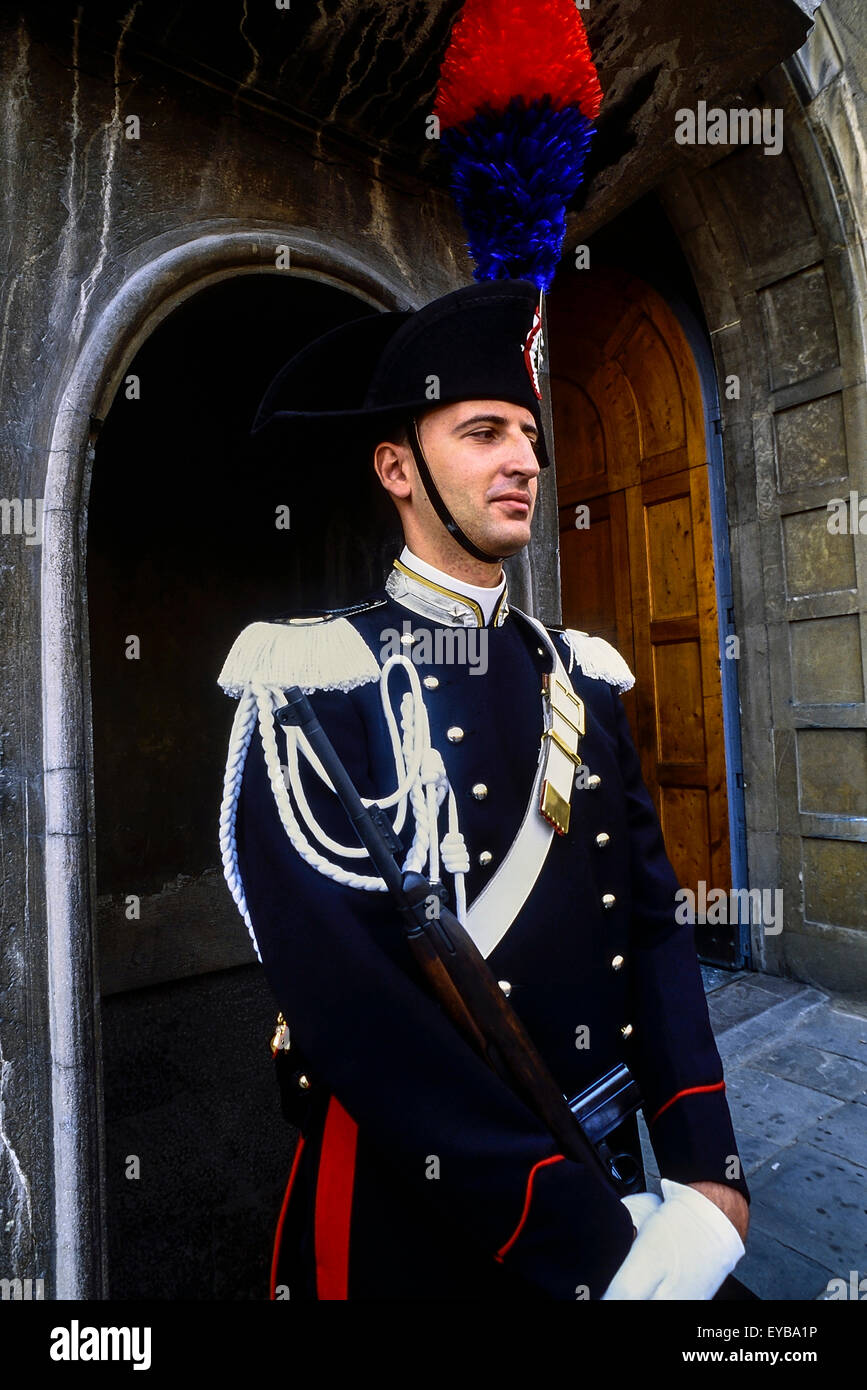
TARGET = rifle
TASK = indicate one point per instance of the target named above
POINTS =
(465, 986)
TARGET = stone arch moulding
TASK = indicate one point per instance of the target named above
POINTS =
(152, 291)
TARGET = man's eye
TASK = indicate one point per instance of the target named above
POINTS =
(482, 434)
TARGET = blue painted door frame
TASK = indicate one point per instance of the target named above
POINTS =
(702, 351)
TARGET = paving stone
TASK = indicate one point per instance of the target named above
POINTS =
(844, 1034)
(754, 1035)
(754, 1149)
(775, 1109)
(773, 1271)
(714, 978)
(736, 1003)
(843, 1133)
(775, 984)
(795, 1060)
(814, 1203)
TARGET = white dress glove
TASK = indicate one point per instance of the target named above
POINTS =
(684, 1249)
(640, 1205)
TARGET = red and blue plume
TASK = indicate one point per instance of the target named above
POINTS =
(517, 98)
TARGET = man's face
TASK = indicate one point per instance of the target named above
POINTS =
(483, 462)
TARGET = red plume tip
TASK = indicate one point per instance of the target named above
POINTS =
(500, 49)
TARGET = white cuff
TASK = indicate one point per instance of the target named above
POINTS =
(710, 1218)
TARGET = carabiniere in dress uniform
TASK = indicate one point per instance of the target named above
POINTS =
(509, 785)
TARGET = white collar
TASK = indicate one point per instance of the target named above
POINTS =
(485, 598)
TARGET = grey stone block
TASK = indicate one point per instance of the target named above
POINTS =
(844, 1034)
(755, 1149)
(844, 1133)
(814, 1203)
(773, 1271)
(714, 978)
(753, 1034)
(795, 1060)
(741, 1001)
(776, 1110)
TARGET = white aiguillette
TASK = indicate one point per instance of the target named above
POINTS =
(564, 729)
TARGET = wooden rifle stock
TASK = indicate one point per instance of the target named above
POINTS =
(458, 974)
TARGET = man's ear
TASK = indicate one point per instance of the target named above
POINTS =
(391, 459)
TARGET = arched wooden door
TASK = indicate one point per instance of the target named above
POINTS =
(637, 564)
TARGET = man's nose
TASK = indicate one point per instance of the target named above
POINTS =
(523, 457)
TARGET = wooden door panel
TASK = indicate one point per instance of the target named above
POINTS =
(630, 444)
(653, 377)
(684, 818)
(584, 458)
(680, 733)
(587, 569)
(671, 558)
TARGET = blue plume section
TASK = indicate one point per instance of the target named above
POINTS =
(513, 172)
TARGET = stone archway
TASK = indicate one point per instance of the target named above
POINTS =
(147, 297)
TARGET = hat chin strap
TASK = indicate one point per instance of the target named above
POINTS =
(439, 505)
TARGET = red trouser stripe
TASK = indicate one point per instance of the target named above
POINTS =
(278, 1234)
(334, 1203)
(691, 1091)
(528, 1197)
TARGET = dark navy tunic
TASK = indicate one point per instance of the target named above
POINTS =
(421, 1174)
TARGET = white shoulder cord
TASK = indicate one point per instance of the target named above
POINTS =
(408, 763)
(239, 742)
(420, 773)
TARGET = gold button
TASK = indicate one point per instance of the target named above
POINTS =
(505, 987)
(626, 1030)
(602, 839)
(304, 1083)
(617, 963)
(430, 683)
(407, 638)
(480, 791)
(454, 734)
(608, 900)
(541, 651)
(485, 857)
(594, 781)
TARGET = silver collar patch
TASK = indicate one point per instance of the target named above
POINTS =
(443, 605)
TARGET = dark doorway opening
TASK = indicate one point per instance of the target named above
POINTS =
(183, 550)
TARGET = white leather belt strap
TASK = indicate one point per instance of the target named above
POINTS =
(493, 911)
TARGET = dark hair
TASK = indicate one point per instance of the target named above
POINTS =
(394, 428)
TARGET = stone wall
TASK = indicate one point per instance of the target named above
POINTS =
(104, 236)
(776, 246)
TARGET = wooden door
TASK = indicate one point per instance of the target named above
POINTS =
(637, 565)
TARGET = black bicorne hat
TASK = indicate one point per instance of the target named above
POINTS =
(481, 342)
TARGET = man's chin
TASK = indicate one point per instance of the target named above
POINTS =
(507, 538)
(510, 540)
